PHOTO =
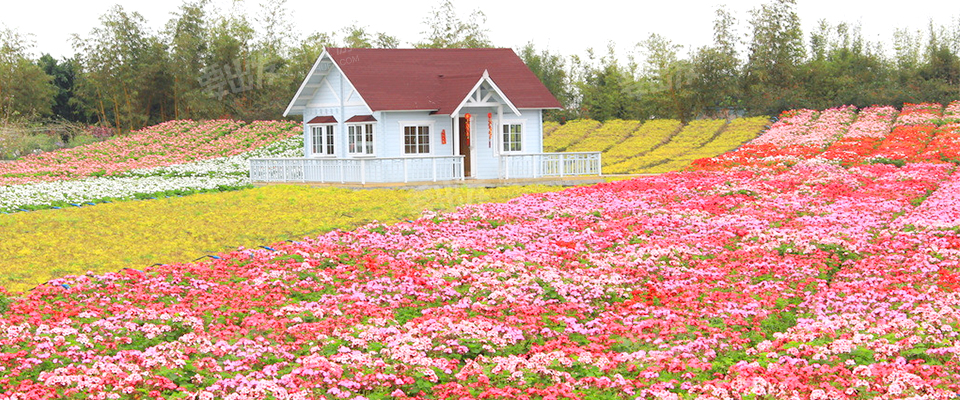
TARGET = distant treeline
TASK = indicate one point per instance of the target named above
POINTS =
(211, 63)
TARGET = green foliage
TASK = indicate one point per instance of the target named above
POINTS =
(883, 160)
(5, 303)
(404, 314)
(551, 70)
(607, 89)
(25, 89)
(445, 29)
(776, 51)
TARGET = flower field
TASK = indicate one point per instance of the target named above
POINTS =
(650, 135)
(692, 136)
(732, 135)
(205, 156)
(43, 245)
(917, 133)
(607, 136)
(567, 134)
(170, 143)
(757, 275)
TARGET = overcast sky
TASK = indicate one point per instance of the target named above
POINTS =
(564, 29)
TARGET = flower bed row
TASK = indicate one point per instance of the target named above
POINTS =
(214, 174)
(169, 143)
(730, 137)
(919, 134)
(568, 134)
(692, 136)
(922, 113)
(649, 136)
(610, 134)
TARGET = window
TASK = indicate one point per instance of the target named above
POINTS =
(512, 137)
(323, 139)
(360, 139)
(416, 139)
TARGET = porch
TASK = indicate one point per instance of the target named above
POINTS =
(428, 169)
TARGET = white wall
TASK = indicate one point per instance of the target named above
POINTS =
(390, 143)
(336, 97)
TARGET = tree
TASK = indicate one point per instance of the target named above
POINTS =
(666, 83)
(25, 89)
(356, 36)
(776, 51)
(605, 89)
(446, 30)
(188, 38)
(843, 69)
(124, 72)
(716, 70)
(551, 70)
(64, 75)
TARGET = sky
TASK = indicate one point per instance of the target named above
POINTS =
(564, 29)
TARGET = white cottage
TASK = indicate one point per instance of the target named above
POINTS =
(417, 115)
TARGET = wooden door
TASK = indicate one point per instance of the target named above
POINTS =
(464, 147)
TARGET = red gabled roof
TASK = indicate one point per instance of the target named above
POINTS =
(361, 118)
(437, 79)
(323, 119)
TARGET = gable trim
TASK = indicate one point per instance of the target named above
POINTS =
(343, 76)
(485, 78)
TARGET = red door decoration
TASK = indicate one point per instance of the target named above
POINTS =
(489, 130)
(443, 136)
(467, 128)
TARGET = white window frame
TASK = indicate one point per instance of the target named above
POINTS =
(363, 142)
(323, 140)
(523, 134)
(403, 137)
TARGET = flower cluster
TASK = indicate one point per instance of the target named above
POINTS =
(874, 122)
(923, 113)
(788, 129)
(952, 112)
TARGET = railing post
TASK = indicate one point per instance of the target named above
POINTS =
(323, 178)
(340, 166)
(563, 166)
(363, 171)
(433, 161)
(405, 170)
(599, 164)
(506, 167)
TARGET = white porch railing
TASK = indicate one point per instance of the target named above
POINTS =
(549, 164)
(357, 170)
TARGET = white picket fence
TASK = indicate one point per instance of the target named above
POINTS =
(540, 165)
(417, 169)
(357, 170)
